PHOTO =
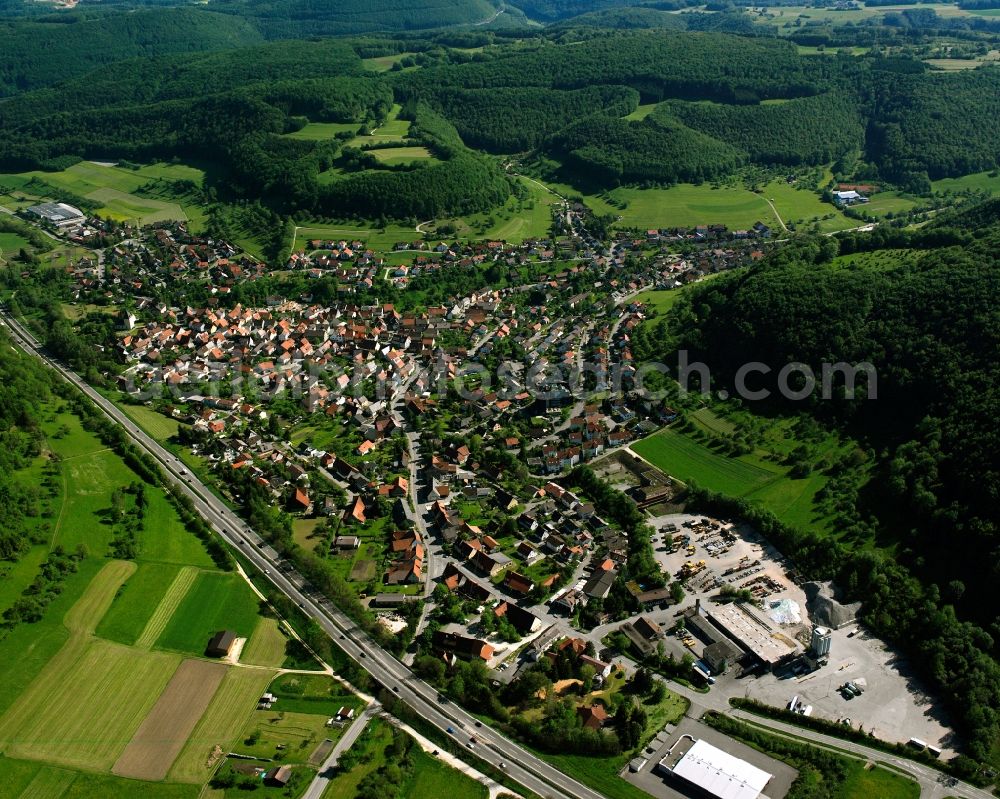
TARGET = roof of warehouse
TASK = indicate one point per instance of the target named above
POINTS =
(720, 773)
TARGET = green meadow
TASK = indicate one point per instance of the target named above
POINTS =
(698, 455)
(123, 194)
(216, 601)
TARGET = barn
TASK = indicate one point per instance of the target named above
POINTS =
(220, 644)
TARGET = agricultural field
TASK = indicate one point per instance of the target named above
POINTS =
(980, 181)
(114, 187)
(217, 731)
(88, 699)
(163, 732)
(786, 18)
(216, 601)
(160, 427)
(391, 156)
(86, 691)
(322, 131)
(136, 602)
(26, 779)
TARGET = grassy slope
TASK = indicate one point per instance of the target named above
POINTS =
(690, 457)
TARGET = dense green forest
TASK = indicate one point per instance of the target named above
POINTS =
(609, 151)
(483, 116)
(727, 101)
(928, 318)
(24, 387)
(809, 130)
(61, 47)
(293, 19)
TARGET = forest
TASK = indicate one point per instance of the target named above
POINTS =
(24, 387)
(724, 101)
(927, 318)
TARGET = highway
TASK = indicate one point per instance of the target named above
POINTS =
(520, 765)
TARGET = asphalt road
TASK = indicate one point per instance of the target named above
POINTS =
(329, 768)
(522, 766)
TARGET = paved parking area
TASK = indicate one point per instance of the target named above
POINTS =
(894, 704)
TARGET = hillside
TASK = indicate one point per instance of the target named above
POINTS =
(301, 18)
(64, 46)
(925, 314)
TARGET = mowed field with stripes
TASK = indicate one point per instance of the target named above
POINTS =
(109, 692)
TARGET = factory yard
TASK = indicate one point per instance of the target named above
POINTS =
(894, 705)
(777, 626)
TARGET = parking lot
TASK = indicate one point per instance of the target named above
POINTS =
(893, 705)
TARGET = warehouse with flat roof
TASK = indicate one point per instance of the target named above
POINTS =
(751, 633)
(719, 774)
(59, 214)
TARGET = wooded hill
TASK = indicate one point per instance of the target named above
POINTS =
(926, 314)
(724, 101)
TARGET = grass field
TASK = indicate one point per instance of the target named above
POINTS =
(686, 205)
(698, 454)
(403, 155)
(641, 112)
(227, 714)
(803, 206)
(165, 539)
(660, 301)
(216, 601)
(371, 748)
(378, 239)
(322, 131)
(135, 603)
(516, 221)
(383, 63)
(156, 424)
(688, 460)
(433, 779)
(862, 783)
(266, 646)
(393, 129)
(980, 181)
(885, 202)
(283, 736)
(11, 244)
